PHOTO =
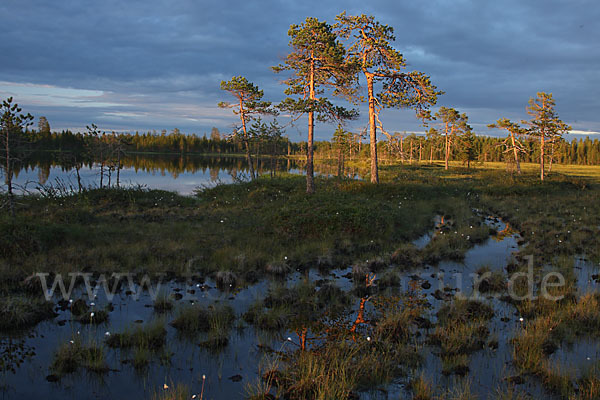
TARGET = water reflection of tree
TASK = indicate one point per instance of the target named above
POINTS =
(173, 165)
(504, 233)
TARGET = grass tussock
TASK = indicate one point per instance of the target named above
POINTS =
(75, 354)
(544, 334)
(150, 336)
(21, 312)
(173, 392)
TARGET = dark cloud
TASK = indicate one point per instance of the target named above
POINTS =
(157, 64)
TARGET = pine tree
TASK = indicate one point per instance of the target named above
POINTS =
(453, 124)
(317, 61)
(43, 125)
(544, 124)
(248, 103)
(512, 142)
(380, 63)
(468, 151)
(341, 140)
(14, 142)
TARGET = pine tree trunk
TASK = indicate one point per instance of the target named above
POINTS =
(101, 173)
(551, 157)
(78, 178)
(401, 149)
(118, 169)
(246, 140)
(542, 145)
(310, 180)
(516, 153)
(339, 172)
(447, 157)
(372, 131)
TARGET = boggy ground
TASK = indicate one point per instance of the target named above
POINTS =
(344, 341)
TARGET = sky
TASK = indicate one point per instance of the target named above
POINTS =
(157, 64)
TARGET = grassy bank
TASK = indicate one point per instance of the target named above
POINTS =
(271, 226)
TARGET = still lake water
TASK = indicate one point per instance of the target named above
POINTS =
(181, 174)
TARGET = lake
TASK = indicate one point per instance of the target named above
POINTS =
(172, 172)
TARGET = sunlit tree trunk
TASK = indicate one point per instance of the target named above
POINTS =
(542, 145)
(310, 183)
(246, 139)
(516, 153)
(402, 149)
(447, 156)
(551, 156)
(372, 130)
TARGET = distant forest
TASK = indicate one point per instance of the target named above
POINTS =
(405, 147)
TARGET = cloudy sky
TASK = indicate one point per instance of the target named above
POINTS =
(157, 64)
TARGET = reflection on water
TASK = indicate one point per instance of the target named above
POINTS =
(179, 173)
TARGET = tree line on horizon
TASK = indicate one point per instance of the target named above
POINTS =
(399, 146)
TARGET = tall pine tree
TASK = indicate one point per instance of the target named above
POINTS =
(317, 61)
(544, 124)
(248, 103)
(379, 62)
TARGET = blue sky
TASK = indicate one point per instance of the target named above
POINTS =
(157, 64)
